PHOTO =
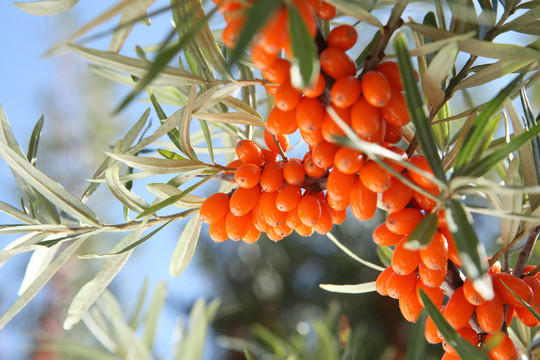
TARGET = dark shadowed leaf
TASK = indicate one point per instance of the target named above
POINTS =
(305, 65)
(417, 345)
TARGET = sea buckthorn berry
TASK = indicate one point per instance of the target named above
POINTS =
(252, 235)
(518, 286)
(458, 310)
(218, 230)
(366, 120)
(323, 154)
(312, 169)
(271, 37)
(363, 201)
(270, 143)
(395, 111)
(249, 152)
(326, 11)
(336, 63)
(271, 214)
(382, 281)
(243, 200)
(283, 229)
(503, 347)
(260, 58)
(337, 203)
(315, 4)
(404, 221)
(376, 88)
(397, 196)
(348, 161)
(384, 237)
(304, 230)
(291, 218)
(293, 172)
(340, 184)
(345, 91)
(281, 122)
(316, 89)
(214, 208)
(312, 138)
(237, 226)
(490, 314)
(309, 114)
(343, 37)
(399, 285)
(269, 157)
(288, 198)
(232, 31)
(423, 202)
(227, 6)
(410, 306)
(287, 97)
(272, 177)
(435, 294)
(338, 216)
(235, 164)
(325, 223)
(435, 255)
(405, 261)
(393, 134)
(390, 70)
(309, 210)
(247, 175)
(257, 218)
(279, 72)
(431, 333)
(271, 89)
(495, 268)
(308, 15)
(330, 128)
(394, 164)
(432, 278)
(524, 315)
(421, 162)
(272, 234)
(471, 294)
(466, 333)
(374, 177)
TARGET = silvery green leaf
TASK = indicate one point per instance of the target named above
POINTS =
(512, 203)
(433, 81)
(158, 166)
(45, 7)
(185, 248)
(350, 289)
(165, 191)
(40, 259)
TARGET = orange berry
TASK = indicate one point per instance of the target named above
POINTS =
(218, 230)
(343, 37)
(397, 196)
(471, 294)
(423, 202)
(312, 138)
(291, 218)
(325, 223)
(272, 234)
(518, 286)
(421, 162)
(466, 333)
(271, 89)
(249, 152)
(312, 169)
(330, 128)
(338, 216)
(345, 91)
(405, 261)
(279, 72)
(340, 184)
(393, 133)
(376, 88)
(283, 229)
(315, 4)
(348, 161)
(431, 333)
(247, 175)
(235, 164)
(237, 226)
(490, 314)
(336, 63)
(271, 214)
(366, 120)
(270, 143)
(399, 285)
(526, 317)
(458, 310)
(309, 114)
(336, 203)
(303, 229)
(326, 11)
(393, 164)
(252, 235)
(308, 15)
(453, 254)
(269, 157)
(243, 200)
(260, 58)
(395, 111)
(432, 278)
(435, 255)
(503, 347)
(435, 294)
(271, 37)
(363, 201)
(272, 177)
(374, 177)
(287, 97)
(495, 268)
(214, 208)
(293, 172)
(382, 281)
(257, 217)
(410, 307)
(288, 198)
(390, 70)
(309, 210)
(404, 221)
(323, 154)
(281, 122)
(384, 237)
(316, 89)
(232, 31)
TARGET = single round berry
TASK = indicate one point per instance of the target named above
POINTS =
(309, 114)
(249, 152)
(336, 63)
(243, 200)
(279, 72)
(309, 210)
(293, 172)
(345, 91)
(247, 175)
(343, 37)
(376, 88)
(272, 177)
(281, 122)
(214, 208)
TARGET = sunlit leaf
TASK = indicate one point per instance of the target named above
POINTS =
(45, 7)
(232, 118)
(154, 312)
(158, 166)
(351, 254)
(129, 199)
(164, 191)
(350, 289)
(16, 213)
(40, 259)
(185, 248)
(34, 141)
(433, 81)
(305, 65)
(492, 72)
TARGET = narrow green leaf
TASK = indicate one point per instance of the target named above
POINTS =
(492, 72)
(350, 289)
(434, 79)
(470, 251)
(208, 139)
(16, 213)
(165, 191)
(511, 202)
(422, 234)
(34, 141)
(185, 125)
(158, 166)
(385, 255)
(129, 199)
(154, 312)
(130, 15)
(417, 345)
(416, 108)
(358, 10)
(464, 349)
(185, 248)
(525, 304)
(232, 118)
(45, 7)
(192, 345)
(71, 350)
(137, 310)
(305, 65)
(351, 254)
(174, 134)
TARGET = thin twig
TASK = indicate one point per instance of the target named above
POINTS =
(525, 253)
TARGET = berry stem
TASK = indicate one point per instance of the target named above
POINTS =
(525, 253)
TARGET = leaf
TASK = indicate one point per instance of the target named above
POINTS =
(350, 289)
(525, 304)
(16, 213)
(40, 259)
(185, 123)
(45, 7)
(132, 201)
(154, 312)
(351, 254)
(492, 72)
(232, 118)
(513, 203)
(192, 345)
(248, 355)
(422, 234)
(464, 349)
(164, 191)
(438, 70)
(50, 189)
(416, 108)
(158, 166)
(358, 10)
(385, 255)
(417, 346)
(136, 314)
(34, 141)
(88, 294)
(39, 282)
(129, 16)
(305, 64)
(185, 248)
